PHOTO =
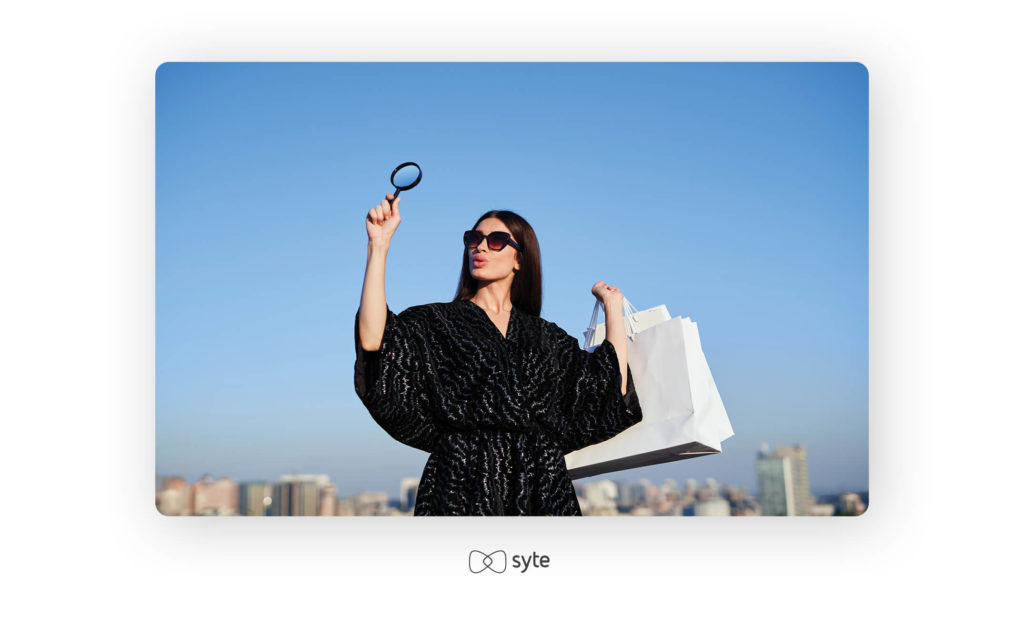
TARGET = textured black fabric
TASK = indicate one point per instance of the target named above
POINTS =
(497, 414)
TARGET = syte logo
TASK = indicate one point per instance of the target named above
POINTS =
(494, 561)
(497, 561)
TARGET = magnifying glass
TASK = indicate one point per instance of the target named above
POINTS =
(406, 176)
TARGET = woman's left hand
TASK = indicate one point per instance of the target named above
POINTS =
(608, 295)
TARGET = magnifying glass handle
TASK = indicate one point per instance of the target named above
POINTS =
(397, 191)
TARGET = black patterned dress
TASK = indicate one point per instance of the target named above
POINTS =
(497, 413)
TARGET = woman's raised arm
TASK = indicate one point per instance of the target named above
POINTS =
(614, 325)
(381, 222)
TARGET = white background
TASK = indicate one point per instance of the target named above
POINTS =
(76, 260)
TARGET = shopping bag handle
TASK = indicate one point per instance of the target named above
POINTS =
(632, 324)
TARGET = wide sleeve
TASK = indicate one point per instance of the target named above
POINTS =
(591, 394)
(390, 381)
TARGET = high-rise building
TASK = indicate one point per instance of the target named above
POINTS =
(305, 499)
(299, 495)
(782, 481)
(254, 498)
(173, 498)
(775, 485)
(215, 497)
(328, 500)
(630, 493)
(407, 493)
(281, 499)
(625, 497)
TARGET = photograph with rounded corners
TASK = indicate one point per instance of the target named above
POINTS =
(511, 289)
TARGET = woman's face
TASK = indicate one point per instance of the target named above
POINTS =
(487, 264)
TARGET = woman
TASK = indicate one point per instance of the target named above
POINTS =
(496, 394)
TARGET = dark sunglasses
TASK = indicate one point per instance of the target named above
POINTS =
(495, 240)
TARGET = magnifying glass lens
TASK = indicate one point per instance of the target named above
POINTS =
(405, 176)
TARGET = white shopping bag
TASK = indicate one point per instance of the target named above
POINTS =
(683, 413)
(635, 322)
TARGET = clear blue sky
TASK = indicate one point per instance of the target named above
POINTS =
(735, 194)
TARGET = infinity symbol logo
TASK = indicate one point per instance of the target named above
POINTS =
(496, 561)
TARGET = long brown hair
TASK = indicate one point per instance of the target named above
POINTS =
(526, 285)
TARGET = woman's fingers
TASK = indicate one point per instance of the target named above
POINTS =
(385, 210)
(602, 288)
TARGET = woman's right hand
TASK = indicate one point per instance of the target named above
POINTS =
(383, 220)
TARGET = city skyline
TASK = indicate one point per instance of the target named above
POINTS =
(316, 495)
(578, 485)
(782, 478)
